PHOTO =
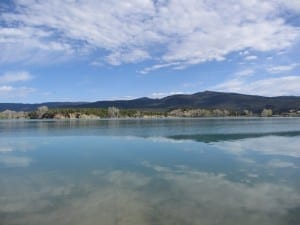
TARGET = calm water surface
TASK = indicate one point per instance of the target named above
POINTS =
(158, 172)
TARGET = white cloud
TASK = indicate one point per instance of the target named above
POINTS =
(250, 57)
(158, 66)
(118, 58)
(97, 63)
(246, 52)
(6, 89)
(282, 68)
(244, 73)
(29, 44)
(287, 85)
(125, 97)
(172, 32)
(10, 92)
(293, 5)
(12, 77)
(192, 84)
(164, 94)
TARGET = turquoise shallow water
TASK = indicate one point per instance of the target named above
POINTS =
(183, 171)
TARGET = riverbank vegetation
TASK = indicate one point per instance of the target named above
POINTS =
(44, 112)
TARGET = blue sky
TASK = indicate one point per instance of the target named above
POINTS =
(88, 50)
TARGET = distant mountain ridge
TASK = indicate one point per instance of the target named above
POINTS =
(204, 100)
(30, 107)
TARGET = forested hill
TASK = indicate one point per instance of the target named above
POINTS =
(203, 100)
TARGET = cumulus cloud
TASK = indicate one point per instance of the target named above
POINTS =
(118, 58)
(287, 85)
(8, 88)
(157, 67)
(244, 73)
(282, 68)
(12, 77)
(293, 5)
(250, 57)
(10, 92)
(29, 44)
(174, 32)
(164, 94)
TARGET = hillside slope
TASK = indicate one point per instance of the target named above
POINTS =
(204, 100)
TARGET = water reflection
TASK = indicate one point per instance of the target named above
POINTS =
(176, 178)
(14, 161)
(207, 138)
(148, 128)
(269, 145)
(168, 196)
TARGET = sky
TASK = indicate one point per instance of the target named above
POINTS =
(89, 50)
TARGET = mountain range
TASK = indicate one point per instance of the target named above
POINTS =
(204, 100)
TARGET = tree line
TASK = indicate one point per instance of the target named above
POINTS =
(44, 112)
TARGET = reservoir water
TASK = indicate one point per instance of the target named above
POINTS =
(156, 172)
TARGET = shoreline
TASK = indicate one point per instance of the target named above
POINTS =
(45, 113)
(154, 118)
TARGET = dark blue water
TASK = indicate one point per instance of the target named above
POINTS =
(190, 171)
